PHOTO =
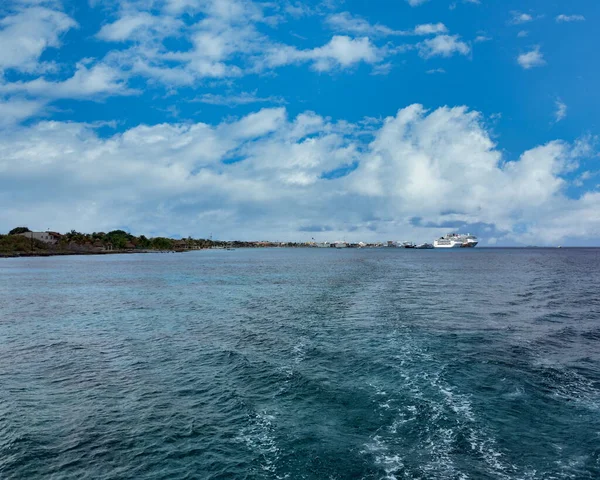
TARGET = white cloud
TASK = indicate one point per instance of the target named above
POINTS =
(138, 26)
(531, 59)
(430, 29)
(126, 26)
(218, 50)
(225, 40)
(416, 3)
(443, 46)
(229, 11)
(87, 82)
(243, 98)
(258, 124)
(15, 110)
(523, 34)
(348, 23)
(382, 68)
(482, 38)
(569, 18)
(453, 5)
(435, 70)
(179, 178)
(519, 18)
(343, 51)
(26, 34)
(561, 110)
(340, 52)
(222, 40)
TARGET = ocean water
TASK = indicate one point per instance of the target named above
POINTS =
(302, 364)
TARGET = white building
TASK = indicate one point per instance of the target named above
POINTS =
(46, 237)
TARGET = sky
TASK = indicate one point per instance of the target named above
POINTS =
(291, 120)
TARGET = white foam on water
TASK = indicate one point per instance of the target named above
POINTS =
(299, 352)
(570, 468)
(449, 414)
(384, 402)
(481, 441)
(259, 438)
(391, 463)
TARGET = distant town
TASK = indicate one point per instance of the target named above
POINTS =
(21, 241)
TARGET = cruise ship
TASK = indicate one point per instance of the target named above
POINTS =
(456, 240)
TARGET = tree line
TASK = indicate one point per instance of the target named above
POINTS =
(119, 240)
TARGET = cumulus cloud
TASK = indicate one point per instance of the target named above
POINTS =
(443, 46)
(569, 18)
(266, 175)
(416, 3)
(27, 33)
(531, 59)
(340, 52)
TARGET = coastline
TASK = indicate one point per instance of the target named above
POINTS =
(109, 252)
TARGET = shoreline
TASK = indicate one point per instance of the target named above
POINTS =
(110, 252)
(132, 252)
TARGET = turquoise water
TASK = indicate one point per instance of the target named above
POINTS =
(302, 364)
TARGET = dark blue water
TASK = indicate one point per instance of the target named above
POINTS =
(301, 364)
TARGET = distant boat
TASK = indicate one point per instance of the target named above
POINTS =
(424, 246)
(341, 245)
(408, 245)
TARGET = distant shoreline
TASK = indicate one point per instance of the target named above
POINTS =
(144, 251)
(110, 252)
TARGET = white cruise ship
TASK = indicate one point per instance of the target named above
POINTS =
(456, 240)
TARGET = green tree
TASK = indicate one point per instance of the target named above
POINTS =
(162, 243)
(16, 231)
(143, 242)
(13, 244)
(119, 238)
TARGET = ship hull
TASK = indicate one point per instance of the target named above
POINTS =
(455, 245)
(447, 245)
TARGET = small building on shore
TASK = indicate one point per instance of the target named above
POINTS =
(181, 244)
(47, 237)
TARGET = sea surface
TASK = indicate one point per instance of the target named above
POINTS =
(302, 364)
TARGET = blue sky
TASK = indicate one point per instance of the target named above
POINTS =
(399, 119)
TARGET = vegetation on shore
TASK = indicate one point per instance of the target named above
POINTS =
(15, 243)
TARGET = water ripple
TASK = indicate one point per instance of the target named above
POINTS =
(302, 364)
